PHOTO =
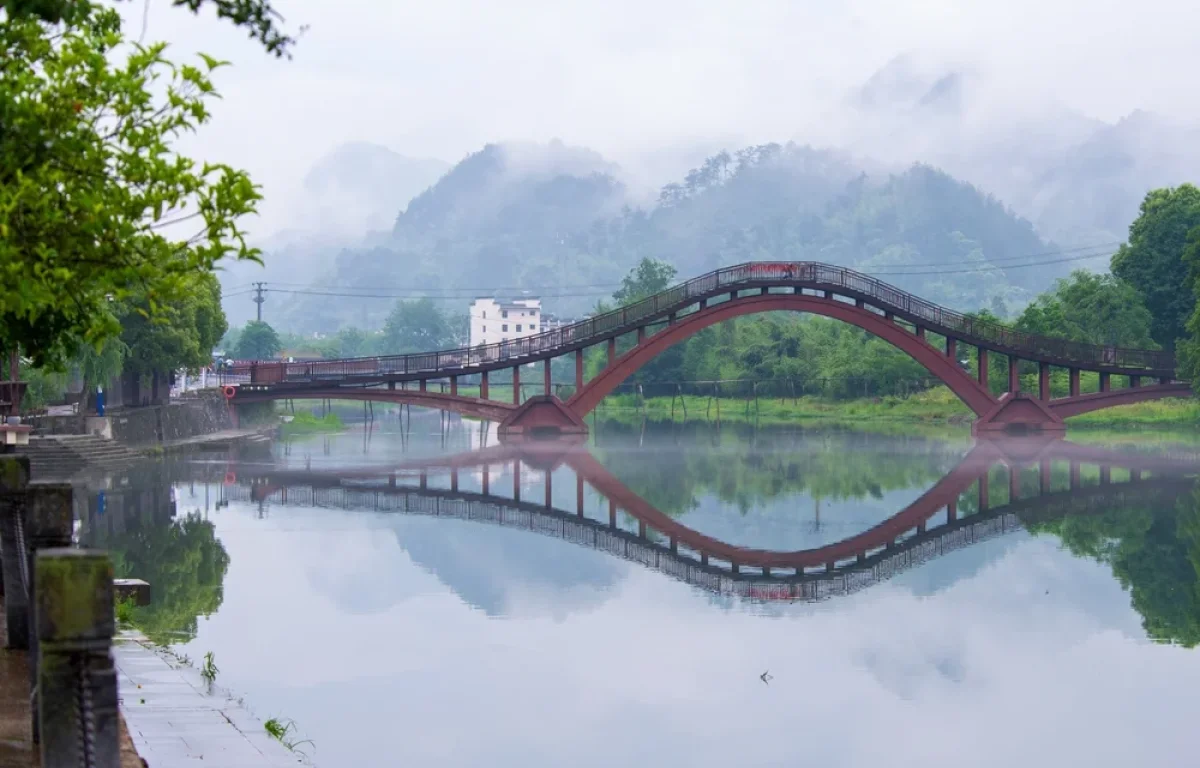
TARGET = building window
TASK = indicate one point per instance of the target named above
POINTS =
(533, 327)
(518, 329)
(504, 327)
(504, 313)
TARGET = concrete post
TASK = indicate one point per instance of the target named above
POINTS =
(516, 480)
(952, 511)
(1105, 384)
(579, 495)
(1014, 374)
(14, 480)
(612, 350)
(1073, 376)
(1044, 381)
(1135, 382)
(454, 386)
(983, 367)
(483, 385)
(578, 370)
(516, 385)
(391, 385)
(51, 519)
(76, 677)
(920, 331)
(549, 490)
(423, 385)
(641, 335)
(546, 376)
(952, 349)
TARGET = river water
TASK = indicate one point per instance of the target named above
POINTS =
(682, 596)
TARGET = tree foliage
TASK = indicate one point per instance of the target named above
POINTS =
(649, 277)
(257, 341)
(418, 326)
(257, 16)
(95, 203)
(1097, 309)
(1152, 260)
(180, 335)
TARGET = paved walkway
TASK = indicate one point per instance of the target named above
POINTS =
(175, 722)
(17, 749)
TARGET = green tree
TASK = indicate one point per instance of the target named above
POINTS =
(417, 326)
(1098, 309)
(181, 335)
(1152, 261)
(1189, 347)
(96, 204)
(257, 16)
(649, 277)
(257, 341)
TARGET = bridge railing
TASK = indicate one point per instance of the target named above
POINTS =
(749, 275)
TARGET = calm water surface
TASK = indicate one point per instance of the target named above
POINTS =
(905, 612)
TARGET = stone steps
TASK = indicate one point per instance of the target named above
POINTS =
(66, 455)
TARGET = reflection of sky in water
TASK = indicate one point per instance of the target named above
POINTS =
(396, 640)
(368, 632)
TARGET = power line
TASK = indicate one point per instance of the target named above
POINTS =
(999, 259)
(982, 268)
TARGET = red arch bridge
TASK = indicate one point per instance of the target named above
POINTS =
(1046, 480)
(932, 335)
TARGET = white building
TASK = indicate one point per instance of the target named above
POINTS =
(494, 320)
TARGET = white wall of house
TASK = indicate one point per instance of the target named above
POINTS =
(495, 320)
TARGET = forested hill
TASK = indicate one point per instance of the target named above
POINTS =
(554, 218)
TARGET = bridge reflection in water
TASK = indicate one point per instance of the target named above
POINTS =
(991, 492)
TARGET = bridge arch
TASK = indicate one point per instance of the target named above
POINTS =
(973, 394)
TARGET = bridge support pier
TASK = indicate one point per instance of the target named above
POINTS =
(1105, 383)
(483, 386)
(454, 386)
(1014, 375)
(578, 369)
(952, 349)
(1018, 412)
(1044, 381)
(1073, 375)
(516, 377)
(544, 415)
(983, 367)
(546, 377)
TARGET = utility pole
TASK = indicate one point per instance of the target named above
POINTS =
(259, 298)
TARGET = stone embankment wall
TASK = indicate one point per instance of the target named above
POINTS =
(201, 415)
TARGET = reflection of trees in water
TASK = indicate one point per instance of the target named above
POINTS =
(1154, 552)
(179, 556)
(185, 564)
(835, 466)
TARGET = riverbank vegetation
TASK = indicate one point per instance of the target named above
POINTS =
(305, 423)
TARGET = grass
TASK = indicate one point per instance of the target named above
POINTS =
(934, 406)
(125, 610)
(209, 670)
(281, 730)
(304, 423)
(1173, 411)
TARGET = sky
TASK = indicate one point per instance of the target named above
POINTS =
(440, 79)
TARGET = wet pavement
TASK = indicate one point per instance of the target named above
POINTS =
(175, 721)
